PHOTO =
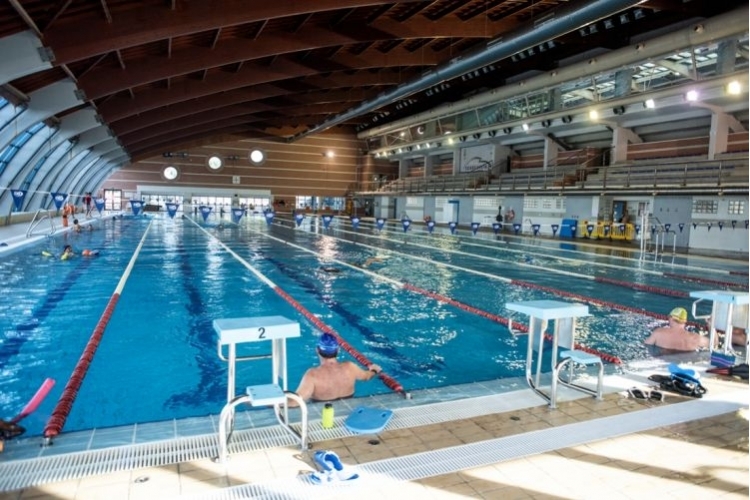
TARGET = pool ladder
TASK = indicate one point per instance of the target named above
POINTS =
(39, 217)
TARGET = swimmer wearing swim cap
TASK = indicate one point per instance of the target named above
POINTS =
(674, 337)
(332, 380)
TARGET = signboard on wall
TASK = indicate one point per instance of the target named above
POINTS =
(476, 158)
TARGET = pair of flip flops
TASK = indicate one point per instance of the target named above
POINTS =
(653, 395)
(331, 469)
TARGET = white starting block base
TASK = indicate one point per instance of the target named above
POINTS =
(275, 330)
(564, 314)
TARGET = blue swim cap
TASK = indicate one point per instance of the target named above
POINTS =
(327, 344)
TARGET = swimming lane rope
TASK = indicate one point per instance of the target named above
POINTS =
(67, 398)
(447, 300)
(696, 279)
(389, 381)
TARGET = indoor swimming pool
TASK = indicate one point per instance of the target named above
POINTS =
(427, 308)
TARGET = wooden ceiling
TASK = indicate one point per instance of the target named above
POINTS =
(164, 74)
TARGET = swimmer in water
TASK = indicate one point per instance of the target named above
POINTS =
(372, 260)
(330, 270)
(67, 252)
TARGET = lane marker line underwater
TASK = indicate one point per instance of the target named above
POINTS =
(389, 381)
(442, 298)
(64, 405)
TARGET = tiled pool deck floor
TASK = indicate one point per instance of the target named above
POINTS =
(701, 458)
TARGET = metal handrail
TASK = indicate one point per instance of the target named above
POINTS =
(34, 222)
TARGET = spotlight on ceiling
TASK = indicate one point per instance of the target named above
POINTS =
(593, 114)
(492, 133)
(649, 104)
(691, 96)
(507, 130)
(734, 88)
(546, 123)
(525, 127)
(619, 110)
(567, 119)
(420, 129)
(476, 136)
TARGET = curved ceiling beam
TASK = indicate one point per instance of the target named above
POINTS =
(230, 135)
(103, 81)
(221, 116)
(248, 94)
(122, 106)
(73, 41)
(247, 110)
(208, 134)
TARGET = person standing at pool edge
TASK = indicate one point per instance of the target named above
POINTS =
(674, 337)
(331, 380)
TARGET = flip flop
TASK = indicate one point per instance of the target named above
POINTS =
(656, 396)
(320, 461)
(636, 393)
(334, 462)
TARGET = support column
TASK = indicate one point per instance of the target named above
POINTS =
(429, 163)
(719, 135)
(550, 152)
(403, 168)
(620, 138)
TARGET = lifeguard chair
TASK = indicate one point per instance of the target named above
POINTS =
(564, 314)
(275, 329)
(728, 310)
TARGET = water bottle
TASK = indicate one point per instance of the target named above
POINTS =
(327, 418)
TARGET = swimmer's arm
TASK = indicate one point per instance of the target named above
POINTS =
(361, 374)
(305, 389)
(651, 340)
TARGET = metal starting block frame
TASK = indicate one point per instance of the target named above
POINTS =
(275, 329)
(564, 314)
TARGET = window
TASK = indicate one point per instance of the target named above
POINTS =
(736, 207)
(113, 199)
(705, 206)
(170, 173)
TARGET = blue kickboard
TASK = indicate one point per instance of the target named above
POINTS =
(364, 420)
(677, 369)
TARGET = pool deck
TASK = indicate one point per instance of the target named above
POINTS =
(619, 447)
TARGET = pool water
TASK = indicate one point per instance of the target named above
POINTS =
(158, 358)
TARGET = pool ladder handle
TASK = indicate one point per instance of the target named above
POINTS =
(273, 396)
(570, 358)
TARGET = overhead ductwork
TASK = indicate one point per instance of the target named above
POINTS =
(560, 22)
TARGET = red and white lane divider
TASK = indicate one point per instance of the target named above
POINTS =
(65, 403)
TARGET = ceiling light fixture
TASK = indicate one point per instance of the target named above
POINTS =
(649, 104)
